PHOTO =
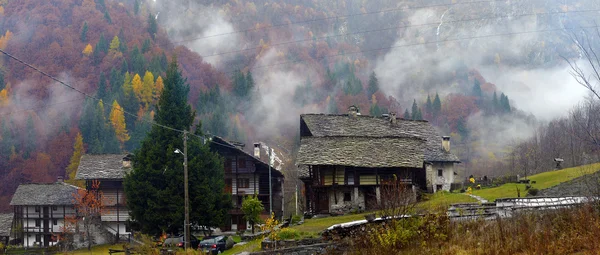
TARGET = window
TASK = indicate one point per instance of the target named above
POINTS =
(440, 172)
(54, 208)
(54, 222)
(347, 197)
(349, 178)
(438, 187)
(127, 227)
(37, 223)
(228, 186)
(37, 209)
(242, 163)
(227, 165)
(243, 183)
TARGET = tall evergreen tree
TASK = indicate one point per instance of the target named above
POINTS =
(429, 106)
(136, 7)
(406, 114)
(102, 44)
(152, 26)
(115, 80)
(154, 184)
(332, 107)
(415, 110)
(30, 138)
(146, 46)
(102, 91)
(84, 31)
(373, 84)
(250, 82)
(107, 17)
(477, 89)
(123, 44)
(419, 115)
(138, 62)
(437, 106)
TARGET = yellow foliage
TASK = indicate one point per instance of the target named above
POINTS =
(147, 88)
(158, 88)
(127, 86)
(270, 226)
(117, 119)
(114, 44)
(4, 99)
(78, 151)
(88, 50)
(136, 83)
(1, 10)
(4, 39)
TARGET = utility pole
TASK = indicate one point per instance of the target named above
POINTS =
(270, 186)
(187, 198)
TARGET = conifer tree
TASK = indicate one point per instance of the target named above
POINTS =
(146, 46)
(138, 62)
(154, 183)
(332, 106)
(415, 110)
(477, 89)
(406, 115)
(102, 44)
(117, 119)
(437, 106)
(136, 84)
(114, 44)
(102, 91)
(88, 50)
(123, 43)
(158, 88)
(30, 138)
(115, 80)
(147, 88)
(152, 26)
(78, 151)
(84, 30)
(429, 106)
(107, 17)
(136, 7)
(495, 103)
(373, 84)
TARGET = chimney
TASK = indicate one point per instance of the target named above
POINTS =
(257, 150)
(59, 179)
(353, 111)
(126, 162)
(446, 143)
(393, 118)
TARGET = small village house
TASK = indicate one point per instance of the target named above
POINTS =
(344, 159)
(40, 210)
(109, 170)
(246, 174)
(6, 221)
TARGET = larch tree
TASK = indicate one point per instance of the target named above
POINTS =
(147, 88)
(158, 88)
(88, 50)
(114, 44)
(136, 84)
(117, 119)
(154, 184)
(78, 151)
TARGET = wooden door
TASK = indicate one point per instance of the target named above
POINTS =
(322, 202)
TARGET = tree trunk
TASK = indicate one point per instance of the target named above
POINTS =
(252, 223)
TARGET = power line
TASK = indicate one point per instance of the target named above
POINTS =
(337, 17)
(405, 26)
(417, 44)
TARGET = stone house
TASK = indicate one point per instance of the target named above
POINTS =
(109, 170)
(246, 174)
(6, 221)
(40, 210)
(344, 158)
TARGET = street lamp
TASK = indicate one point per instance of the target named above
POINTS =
(186, 227)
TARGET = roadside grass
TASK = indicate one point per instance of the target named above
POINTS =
(251, 246)
(98, 249)
(314, 226)
(543, 181)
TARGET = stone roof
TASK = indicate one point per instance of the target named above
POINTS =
(58, 193)
(324, 125)
(6, 220)
(219, 141)
(362, 151)
(101, 166)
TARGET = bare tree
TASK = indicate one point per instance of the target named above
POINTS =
(397, 198)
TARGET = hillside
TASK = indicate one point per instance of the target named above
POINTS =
(477, 71)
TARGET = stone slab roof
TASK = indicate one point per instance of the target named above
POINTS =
(58, 193)
(101, 166)
(328, 125)
(362, 151)
(6, 220)
(221, 142)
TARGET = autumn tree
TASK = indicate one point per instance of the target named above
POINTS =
(90, 205)
(114, 44)
(136, 84)
(78, 151)
(158, 88)
(87, 51)
(117, 119)
(147, 88)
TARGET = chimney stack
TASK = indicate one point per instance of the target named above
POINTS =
(59, 179)
(446, 143)
(393, 118)
(353, 111)
(257, 150)
(126, 162)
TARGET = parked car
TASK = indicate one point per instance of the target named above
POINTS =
(215, 245)
(178, 241)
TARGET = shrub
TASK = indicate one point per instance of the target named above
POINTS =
(288, 233)
(296, 219)
(533, 191)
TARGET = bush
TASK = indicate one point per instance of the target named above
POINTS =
(296, 219)
(533, 191)
(288, 233)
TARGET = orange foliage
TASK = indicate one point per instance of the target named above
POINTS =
(4, 39)
(88, 50)
(117, 119)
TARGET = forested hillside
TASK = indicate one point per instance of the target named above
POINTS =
(477, 71)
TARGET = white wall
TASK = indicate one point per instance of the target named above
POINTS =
(445, 180)
(357, 197)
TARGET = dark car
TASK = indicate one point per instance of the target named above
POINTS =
(215, 245)
(178, 241)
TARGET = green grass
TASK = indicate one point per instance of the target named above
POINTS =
(237, 239)
(443, 200)
(251, 246)
(317, 225)
(543, 181)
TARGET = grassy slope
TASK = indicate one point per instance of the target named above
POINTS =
(99, 249)
(543, 181)
(251, 246)
(444, 199)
